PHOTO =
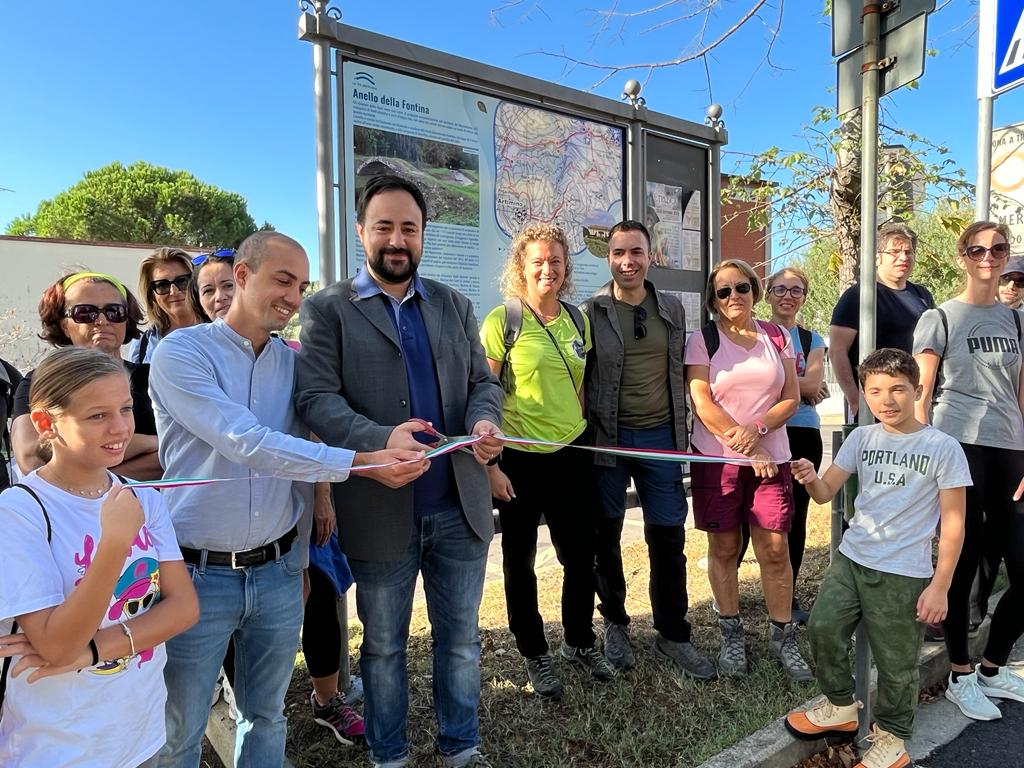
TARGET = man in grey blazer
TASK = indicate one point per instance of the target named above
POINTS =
(378, 350)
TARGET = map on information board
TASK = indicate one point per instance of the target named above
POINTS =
(487, 167)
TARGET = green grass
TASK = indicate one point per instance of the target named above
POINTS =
(647, 717)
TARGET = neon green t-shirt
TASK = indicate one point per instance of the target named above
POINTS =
(544, 401)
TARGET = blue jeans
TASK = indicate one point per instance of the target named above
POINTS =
(659, 484)
(453, 560)
(261, 608)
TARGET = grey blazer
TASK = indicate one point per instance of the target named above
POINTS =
(352, 390)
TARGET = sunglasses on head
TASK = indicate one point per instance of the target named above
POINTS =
(741, 288)
(224, 254)
(163, 287)
(977, 252)
(89, 313)
(639, 318)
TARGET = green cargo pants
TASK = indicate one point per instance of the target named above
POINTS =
(887, 603)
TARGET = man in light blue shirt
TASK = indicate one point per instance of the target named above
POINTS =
(222, 396)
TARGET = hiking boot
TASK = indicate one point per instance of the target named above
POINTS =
(346, 725)
(799, 615)
(886, 751)
(543, 679)
(591, 658)
(617, 649)
(966, 694)
(1003, 685)
(784, 649)
(476, 760)
(823, 719)
(685, 657)
(732, 657)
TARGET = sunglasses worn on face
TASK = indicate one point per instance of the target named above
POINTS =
(1018, 282)
(639, 318)
(163, 287)
(977, 252)
(741, 288)
(796, 291)
(224, 254)
(89, 313)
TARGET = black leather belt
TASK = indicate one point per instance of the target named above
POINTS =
(244, 559)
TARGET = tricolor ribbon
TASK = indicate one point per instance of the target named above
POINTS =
(458, 443)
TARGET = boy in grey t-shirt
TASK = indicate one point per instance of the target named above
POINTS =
(911, 475)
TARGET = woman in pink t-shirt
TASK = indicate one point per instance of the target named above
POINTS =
(742, 396)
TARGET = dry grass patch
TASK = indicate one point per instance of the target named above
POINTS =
(647, 717)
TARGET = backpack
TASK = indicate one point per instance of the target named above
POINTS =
(712, 339)
(7, 393)
(514, 326)
(945, 331)
(14, 624)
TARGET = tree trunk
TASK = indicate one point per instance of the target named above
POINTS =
(844, 199)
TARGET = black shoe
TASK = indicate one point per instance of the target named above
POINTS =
(799, 615)
(543, 679)
(591, 658)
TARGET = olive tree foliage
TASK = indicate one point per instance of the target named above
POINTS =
(141, 203)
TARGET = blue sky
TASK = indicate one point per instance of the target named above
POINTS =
(228, 96)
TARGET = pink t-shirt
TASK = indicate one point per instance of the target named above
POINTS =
(745, 383)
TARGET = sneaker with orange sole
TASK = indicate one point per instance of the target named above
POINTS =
(887, 750)
(823, 719)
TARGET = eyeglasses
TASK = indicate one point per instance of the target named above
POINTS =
(1018, 282)
(639, 318)
(977, 252)
(163, 287)
(90, 313)
(741, 288)
(908, 252)
(797, 291)
(224, 254)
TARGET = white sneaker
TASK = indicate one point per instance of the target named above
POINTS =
(1005, 685)
(967, 695)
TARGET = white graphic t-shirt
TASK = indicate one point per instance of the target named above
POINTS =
(897, 506)
(103, 716)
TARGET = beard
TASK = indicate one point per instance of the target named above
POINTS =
(378, 262)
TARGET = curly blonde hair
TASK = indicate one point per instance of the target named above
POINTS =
(513, 280)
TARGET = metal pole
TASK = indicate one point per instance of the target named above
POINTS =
(983, 193)
(324, 157)
(715, 204)
(636, 194)
(866, 328)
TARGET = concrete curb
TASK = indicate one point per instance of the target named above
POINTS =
(774, 747)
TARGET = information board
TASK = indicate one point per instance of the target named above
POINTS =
(487, 166)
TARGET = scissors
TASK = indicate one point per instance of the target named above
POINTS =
(442, 439)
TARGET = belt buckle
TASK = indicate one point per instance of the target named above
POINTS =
(234, 563)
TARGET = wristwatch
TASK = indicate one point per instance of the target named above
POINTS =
(762, 428)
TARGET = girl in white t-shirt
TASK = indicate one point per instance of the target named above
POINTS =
(91, 582)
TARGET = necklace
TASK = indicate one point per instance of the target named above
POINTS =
(88, 493)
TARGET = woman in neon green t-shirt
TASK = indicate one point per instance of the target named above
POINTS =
(542, 372)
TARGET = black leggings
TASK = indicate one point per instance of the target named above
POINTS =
(991, 514)
(804, 443)
(321, 633)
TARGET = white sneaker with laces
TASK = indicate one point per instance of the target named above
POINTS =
(967, 694)
(1004, 685)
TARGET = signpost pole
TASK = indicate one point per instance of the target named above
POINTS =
(983, 191)
(866, 328)
(324, 148)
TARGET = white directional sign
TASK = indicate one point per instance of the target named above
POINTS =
(1001, 46)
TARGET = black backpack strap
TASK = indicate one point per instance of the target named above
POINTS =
(143, 346)
(805, 340)
(14, 625)
(577, 319)
(942, 354)
(1016, 321)
(711, 338)
(513, 323)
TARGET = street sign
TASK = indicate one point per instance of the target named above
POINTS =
(1000, 46)
(847, 31)
(904, 46)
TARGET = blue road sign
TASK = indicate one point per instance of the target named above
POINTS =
(1008, 45)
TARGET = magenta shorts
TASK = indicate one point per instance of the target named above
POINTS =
(727, 495)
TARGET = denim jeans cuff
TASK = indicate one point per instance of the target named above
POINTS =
(399, 762)
(460, 758)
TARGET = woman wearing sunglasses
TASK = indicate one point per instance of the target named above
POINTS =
(969, 351)
(165, 283)
(743, 386)
(93, 310)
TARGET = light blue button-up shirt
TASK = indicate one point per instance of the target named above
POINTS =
(222, 412)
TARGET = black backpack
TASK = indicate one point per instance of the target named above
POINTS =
(514, 326)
